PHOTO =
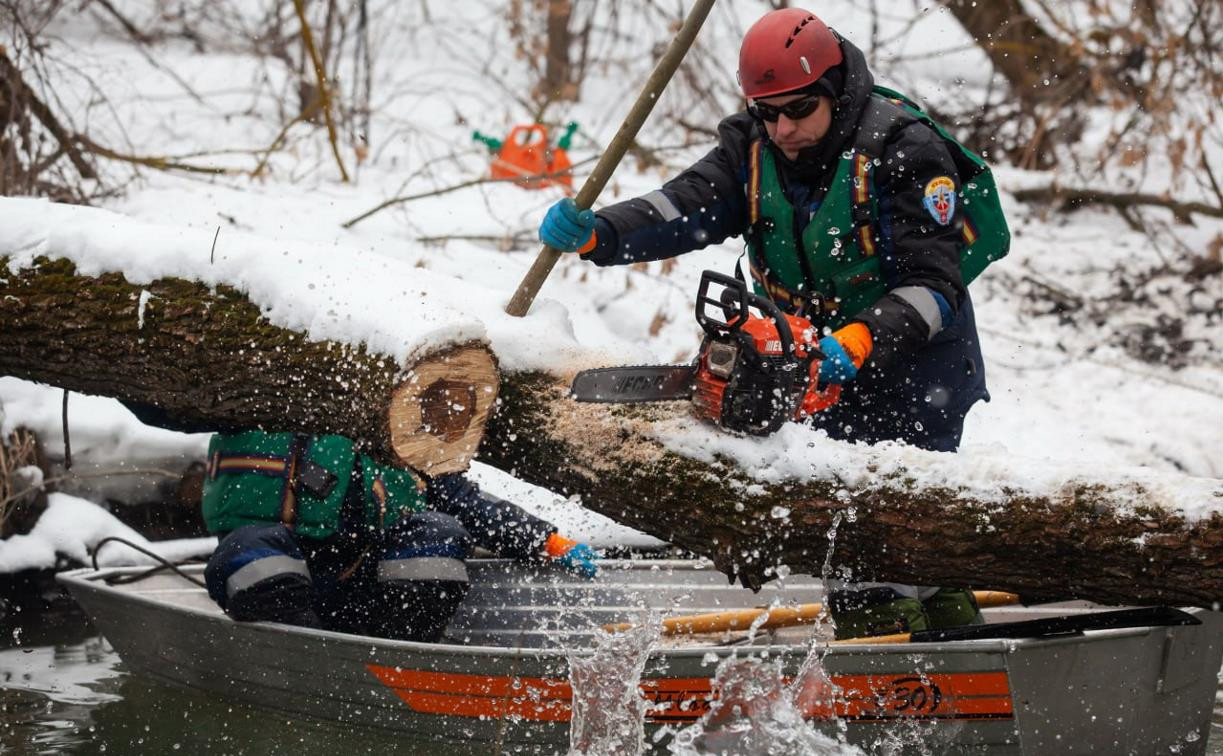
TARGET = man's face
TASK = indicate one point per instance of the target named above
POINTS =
(791, 135)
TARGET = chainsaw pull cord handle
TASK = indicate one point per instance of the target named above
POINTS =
(524, 295)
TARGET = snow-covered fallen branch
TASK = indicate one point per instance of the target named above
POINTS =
(71, 528)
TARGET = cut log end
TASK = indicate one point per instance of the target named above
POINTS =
(438, 414)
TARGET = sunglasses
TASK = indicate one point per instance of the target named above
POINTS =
(794, 110)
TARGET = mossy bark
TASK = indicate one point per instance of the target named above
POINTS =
(201, 358)
(1076, 545)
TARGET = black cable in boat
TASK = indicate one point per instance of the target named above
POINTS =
(165, 564)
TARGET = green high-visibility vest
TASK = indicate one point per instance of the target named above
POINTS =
(833, 267)
(301, 481)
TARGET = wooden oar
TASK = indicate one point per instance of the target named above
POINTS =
(783, 616)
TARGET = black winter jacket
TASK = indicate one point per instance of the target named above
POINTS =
(706, 204)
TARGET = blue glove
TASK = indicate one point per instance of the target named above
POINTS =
(565, 227)
(574, 556)
(837, 366)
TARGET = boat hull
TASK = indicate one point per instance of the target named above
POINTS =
(505, 680)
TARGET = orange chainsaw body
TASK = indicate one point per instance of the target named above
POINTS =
(709, 391)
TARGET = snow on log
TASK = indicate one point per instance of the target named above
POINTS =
(891, 513)
(207, 358)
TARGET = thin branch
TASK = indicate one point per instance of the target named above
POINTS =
(476, 182)
(1072, 199)
(10, 72)
(139, 36)
(1115, 364)
(1214, 184)
(267, 154)
(81, 476)
(511, 239)
(160, 163)
(67, 438)
(455, 187)
(323, 93)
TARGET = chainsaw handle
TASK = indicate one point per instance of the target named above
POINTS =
(737, 304)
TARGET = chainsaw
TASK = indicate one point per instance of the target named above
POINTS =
(752, 374)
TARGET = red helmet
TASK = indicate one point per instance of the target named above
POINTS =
(785, 50)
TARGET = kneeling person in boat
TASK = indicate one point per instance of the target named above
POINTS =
(315, 533)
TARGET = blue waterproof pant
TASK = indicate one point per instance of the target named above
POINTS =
(922, 401)
(404, 583)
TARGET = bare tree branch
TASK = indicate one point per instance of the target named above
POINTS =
(1072, 199)
(323, 90)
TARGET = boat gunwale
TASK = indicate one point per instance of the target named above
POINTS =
(91, 580)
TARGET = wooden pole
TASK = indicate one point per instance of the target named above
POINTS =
(654, 86)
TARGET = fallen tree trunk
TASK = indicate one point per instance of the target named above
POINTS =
(206, 359)
(1115, 543)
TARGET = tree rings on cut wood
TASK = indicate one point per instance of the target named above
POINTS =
(437, 416)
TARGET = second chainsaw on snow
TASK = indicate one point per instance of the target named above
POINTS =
(752, 373)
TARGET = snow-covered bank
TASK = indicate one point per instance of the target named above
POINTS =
(71, 528)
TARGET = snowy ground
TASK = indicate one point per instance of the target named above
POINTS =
(1065, 392)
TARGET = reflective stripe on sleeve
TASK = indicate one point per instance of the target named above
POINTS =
(262, 569)
(665, 207)
(926, 305)
(422, 568)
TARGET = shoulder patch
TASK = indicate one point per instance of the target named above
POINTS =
(940, 199)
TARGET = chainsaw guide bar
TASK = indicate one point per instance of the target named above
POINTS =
(641, 383)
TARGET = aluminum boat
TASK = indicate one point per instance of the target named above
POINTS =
(499, 680)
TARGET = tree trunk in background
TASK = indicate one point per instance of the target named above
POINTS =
(1039, 68)
(558, 83)
(1088, 542)
(199, 359)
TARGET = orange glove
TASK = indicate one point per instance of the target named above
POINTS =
(856, 340)
(574, 556)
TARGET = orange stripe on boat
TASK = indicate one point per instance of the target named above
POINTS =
(960, 695)
(472, 685)
(863, 698)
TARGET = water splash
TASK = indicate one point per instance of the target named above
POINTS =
(608, 709)
(754, 712)
(826, 568)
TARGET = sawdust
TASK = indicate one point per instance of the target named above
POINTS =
(606, 437)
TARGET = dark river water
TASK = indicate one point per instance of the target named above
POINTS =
(64, 690)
